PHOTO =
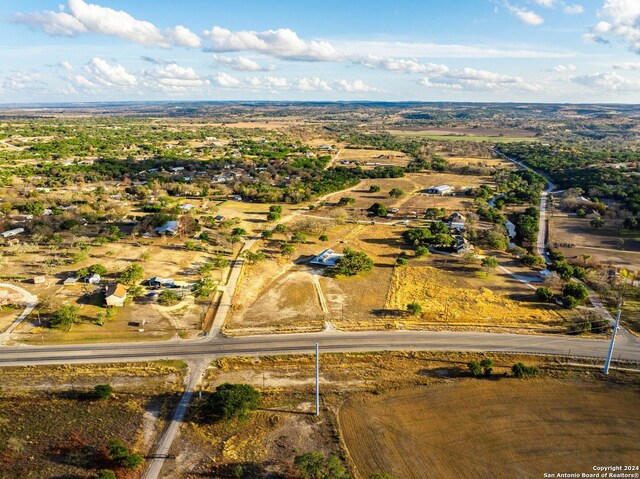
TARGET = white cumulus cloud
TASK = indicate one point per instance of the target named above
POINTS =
(110, 75)
(622, 22)
(280, 43)
(174, 78)
(86, 17)
(574, 9)
(242, 64)
(608, 81)
(527, 17)
(570, 68)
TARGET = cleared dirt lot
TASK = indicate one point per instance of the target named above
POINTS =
(379, 157)
(500, 429)
(601, 244)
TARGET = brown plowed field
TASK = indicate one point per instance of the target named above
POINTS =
(493, 429)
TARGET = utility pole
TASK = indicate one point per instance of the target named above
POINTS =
(317, 381)
(613, 340)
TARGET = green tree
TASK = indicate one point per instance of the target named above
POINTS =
(273, 216)
(396, 193)
(402, 261)
(347, 201)
(103, 391)
(422, 251)
(597, 222)
(97, 269)
(255, 257)
(414, 308)
(474, 369)
(122, 456)
(324, 238)
(298, 237)
(168, 297)
(489, 262)
(374, 188)
(204, 288)
(267, 234)
(238, 232)
(132, 274)
(575, 290)
(287, 249)
(353, 262)
(487, 366)
(378, 209)
(544, 294)
(564, 269)
(231, 401)
(275, 209)
(65, 316)
(314, 465)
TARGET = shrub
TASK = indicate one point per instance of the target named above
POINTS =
(474, 369)
(402, 262)
(275, 209)
(576, 290)
(544, 294)
(253, 258)
(122, 456)
(106, 474)
(532, 260)
(569, 302)
(422, 251)
(103, 391)
(396, 193)
(520, 370)
(314, 465)
(414, 308)
(489, 262)
(487, 366)
(272, 216)
(324, 238)
(374, 189)
(233, 400)
(267, 234)
(168, 297)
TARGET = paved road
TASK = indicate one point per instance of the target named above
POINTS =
(330, 341)
(154, 465)
(30, 301)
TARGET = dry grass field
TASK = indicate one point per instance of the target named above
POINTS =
(413, 200)
(601, 244)
(407, 387)
(480, 162)
(453, 294)
(52, 427)
(381, 157)
(499, 429)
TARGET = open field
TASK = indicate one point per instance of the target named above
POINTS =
(495, 135)
(480, 162)
(412, 184)
(601, 244)
(283, 427)
(379, 157)
(51, 425)
(453, 294)
(463, 430)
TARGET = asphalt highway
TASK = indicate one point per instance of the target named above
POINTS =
(329, 341)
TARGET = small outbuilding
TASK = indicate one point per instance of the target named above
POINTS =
(13, 232)
(158, 282)
(439, 190)
(40, 279)
(115, 295)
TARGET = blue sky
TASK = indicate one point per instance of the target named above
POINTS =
(426, 50)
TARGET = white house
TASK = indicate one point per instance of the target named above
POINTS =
(169, 228)
(457, 221)
(326, 258)
(115, 295)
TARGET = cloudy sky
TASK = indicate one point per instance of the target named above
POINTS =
(427, 50)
